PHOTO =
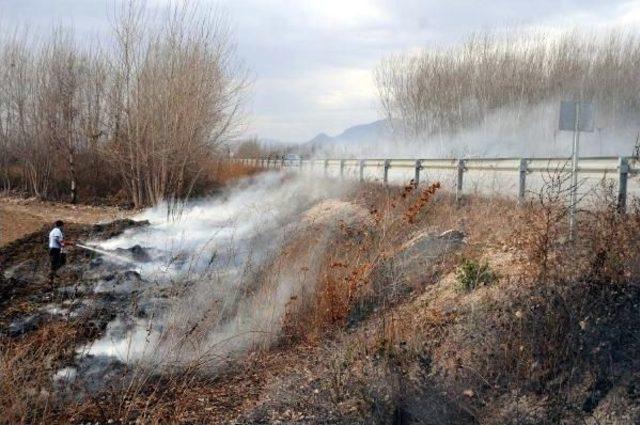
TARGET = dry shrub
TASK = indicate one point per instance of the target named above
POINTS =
(564, 326)
(352, 280)
(27, 365)
(217, 173)
(142, 118)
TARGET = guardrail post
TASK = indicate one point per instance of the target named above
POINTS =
(522, 181)
(326, 167)
(362, 170)
(342, 168)
(387, 165)
(460, 180)
(623, 176)
(416, 178)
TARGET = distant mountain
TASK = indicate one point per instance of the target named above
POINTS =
(353, 137)
(320, 139)
(367, 132)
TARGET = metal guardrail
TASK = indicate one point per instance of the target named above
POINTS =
(624, 167)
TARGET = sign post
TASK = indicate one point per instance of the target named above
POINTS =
(576, 117)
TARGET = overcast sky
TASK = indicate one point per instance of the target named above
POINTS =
(312, 60)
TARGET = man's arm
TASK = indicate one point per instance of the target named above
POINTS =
(59, 238)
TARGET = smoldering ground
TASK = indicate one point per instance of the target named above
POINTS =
(212, 283)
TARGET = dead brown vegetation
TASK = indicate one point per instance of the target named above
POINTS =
(552, 340)
(380, 338)
(140, 119)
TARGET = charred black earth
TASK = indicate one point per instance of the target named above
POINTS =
(87, 294)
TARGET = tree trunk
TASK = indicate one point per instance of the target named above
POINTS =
(72, 173)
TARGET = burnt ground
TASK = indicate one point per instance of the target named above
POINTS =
(24, 285)
(28, 302)
(88, 295)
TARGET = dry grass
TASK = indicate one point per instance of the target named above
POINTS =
(371, 342)
(19, 216)
(27, 394)
(545, 343)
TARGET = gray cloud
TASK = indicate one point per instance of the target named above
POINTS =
(312, 60)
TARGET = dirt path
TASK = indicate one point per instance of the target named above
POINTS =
(19, 217)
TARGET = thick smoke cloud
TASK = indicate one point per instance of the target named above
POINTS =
(210, 289)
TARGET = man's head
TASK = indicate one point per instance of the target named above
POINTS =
(59, 223)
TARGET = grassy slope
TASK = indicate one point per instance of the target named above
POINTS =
(550, 339)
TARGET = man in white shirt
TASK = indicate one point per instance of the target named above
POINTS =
(56, 243)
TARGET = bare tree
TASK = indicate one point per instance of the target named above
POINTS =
(447, 90)
(155, 105)
(177, 97)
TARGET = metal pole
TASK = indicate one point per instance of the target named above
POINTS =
(416, 178)
(623, 169)
(460, 180)
(522, 182)
(387, 165)
(362, 170)
(574, 176)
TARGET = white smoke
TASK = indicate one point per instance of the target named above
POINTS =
(509, 131)
(205, 286)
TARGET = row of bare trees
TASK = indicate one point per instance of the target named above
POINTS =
(448, 90)
(141, 116)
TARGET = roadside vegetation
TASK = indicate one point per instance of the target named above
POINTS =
(138, 118)
(498, 84)
(544, 331)
(403, 304)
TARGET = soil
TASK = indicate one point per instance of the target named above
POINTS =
(19, 216)
(24, 267)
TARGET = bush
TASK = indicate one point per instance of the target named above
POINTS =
(471, 274)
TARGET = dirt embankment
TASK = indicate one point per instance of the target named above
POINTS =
(19, 216)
